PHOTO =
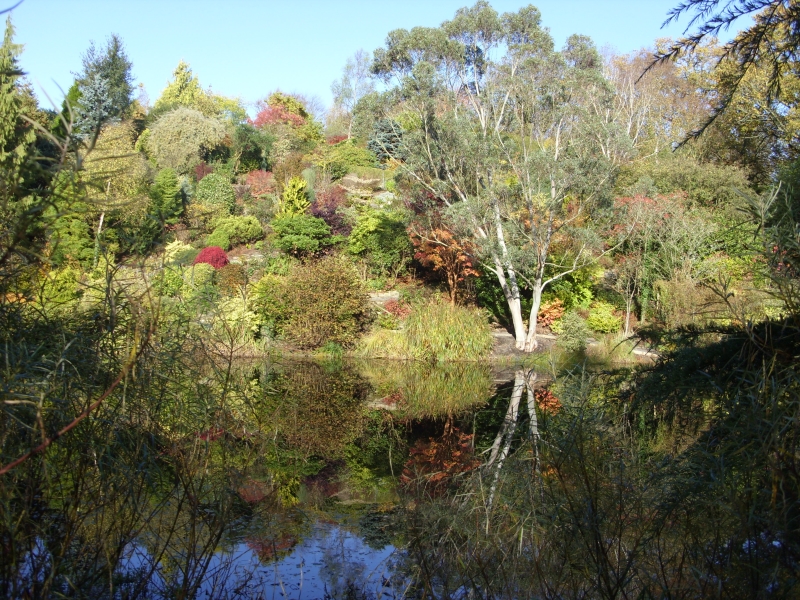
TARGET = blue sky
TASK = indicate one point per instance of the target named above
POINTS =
(249, 48)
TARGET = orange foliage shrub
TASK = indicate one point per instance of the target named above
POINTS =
(549, 312)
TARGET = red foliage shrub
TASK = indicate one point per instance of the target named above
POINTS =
(335, 139)
(260, 182)
(277, 115)
(325, 207)
(397, 309)
(213, 255)
(202, 170)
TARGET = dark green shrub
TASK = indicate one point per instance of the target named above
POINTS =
(572, 331)
(381, 239)
(301, 234)
(167, 197)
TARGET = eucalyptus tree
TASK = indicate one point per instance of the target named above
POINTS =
(508, 136)
(354, 84)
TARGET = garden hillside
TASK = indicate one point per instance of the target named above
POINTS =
(471, 182)
(555, 204)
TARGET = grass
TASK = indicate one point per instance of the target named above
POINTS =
(434, 331)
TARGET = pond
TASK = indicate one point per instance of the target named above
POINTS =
(378, 479)
(295, 485)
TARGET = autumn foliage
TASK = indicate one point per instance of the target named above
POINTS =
(547, 401)
(398, 309)
(550, 312)
(326, 207)
(434, 464)
(277, 115)
(261, 183)
(213, 255)
(440, 251)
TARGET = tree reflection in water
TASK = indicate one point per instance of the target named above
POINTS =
(224, 481)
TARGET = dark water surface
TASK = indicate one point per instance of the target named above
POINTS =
(294, 486)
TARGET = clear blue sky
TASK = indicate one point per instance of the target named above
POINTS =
(248, 48)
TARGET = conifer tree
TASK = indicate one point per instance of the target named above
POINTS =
(16, 135)
(295, 198)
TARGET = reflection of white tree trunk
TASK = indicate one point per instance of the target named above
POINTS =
(502, 444)
(533, 421)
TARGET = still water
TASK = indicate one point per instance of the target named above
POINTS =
(295, 485)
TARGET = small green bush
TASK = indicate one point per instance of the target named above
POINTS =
(199, 276)
(168, 282)
(602, 318)
(215, 191)
(345, 156)
(572, 331)
(219, 238)
(178, 253)
(301, 234)
(240, 230)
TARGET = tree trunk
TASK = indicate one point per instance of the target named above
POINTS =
(530, 340)
(628, 310)
(511, 292)
(96, 258)
(510, 287)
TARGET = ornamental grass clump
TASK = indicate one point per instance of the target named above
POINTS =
(439, 331)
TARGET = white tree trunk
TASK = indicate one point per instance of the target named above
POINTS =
(511, 292)
(510, 287)
(530, 340)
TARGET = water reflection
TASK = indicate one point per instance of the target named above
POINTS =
(259, 480)
(331, 562)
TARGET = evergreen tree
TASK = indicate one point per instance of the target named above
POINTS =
(386, 140)
(167, 197)
(16, 135)
(108, 72)
(184, 90)
(295, 198)
(96, 106)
